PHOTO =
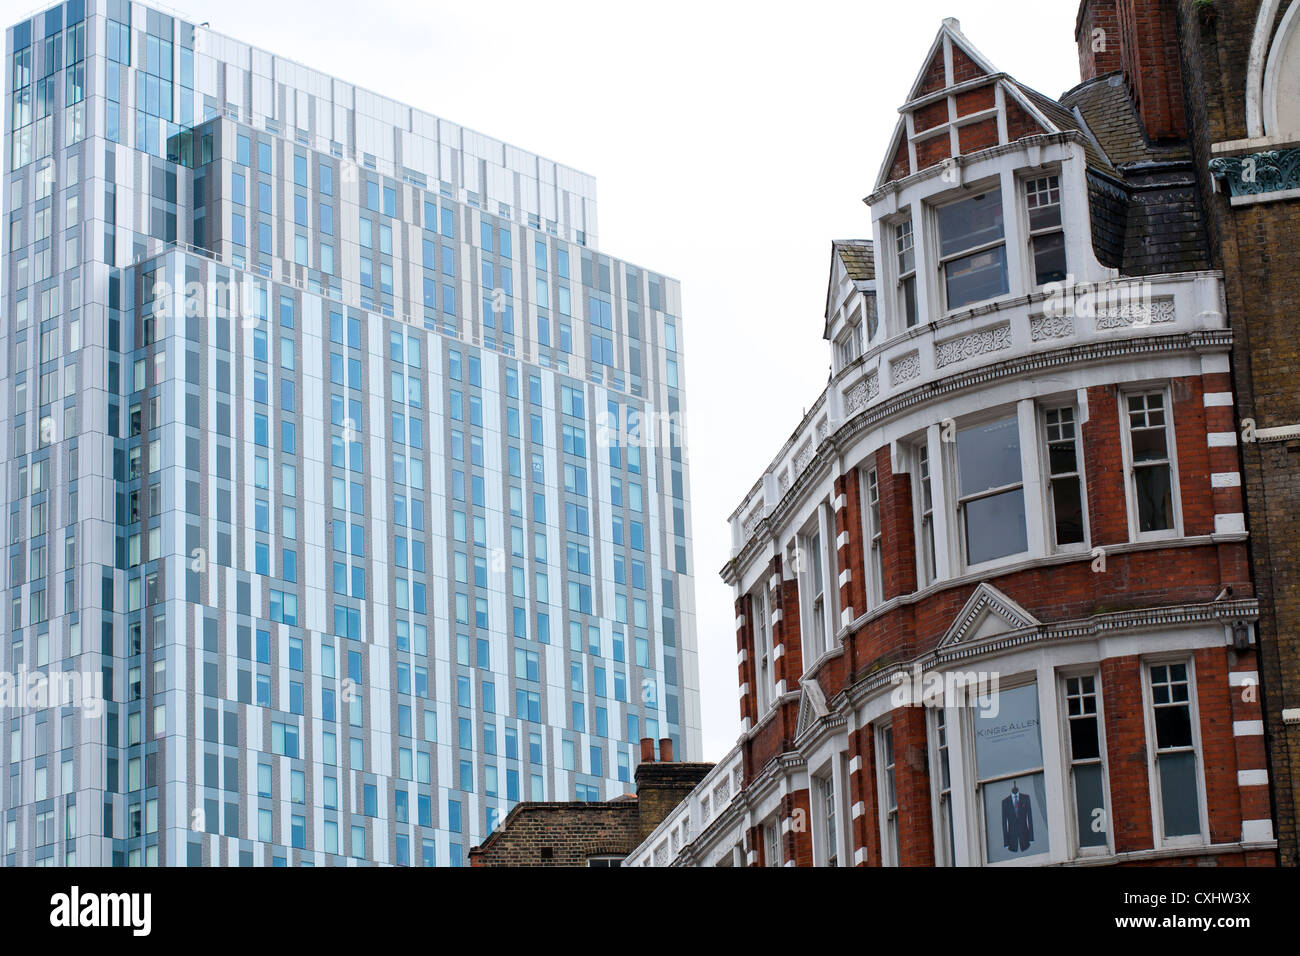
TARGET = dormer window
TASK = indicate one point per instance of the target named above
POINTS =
(905, 249)
(972, 249)
(1046, 235)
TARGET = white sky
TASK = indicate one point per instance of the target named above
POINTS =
(731, 142)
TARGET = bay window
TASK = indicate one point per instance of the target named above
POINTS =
(972, 249)
(991, 503)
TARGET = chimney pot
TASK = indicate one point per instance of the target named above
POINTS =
(666, 750)
(647, 750)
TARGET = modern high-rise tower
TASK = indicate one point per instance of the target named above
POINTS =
(333, 448)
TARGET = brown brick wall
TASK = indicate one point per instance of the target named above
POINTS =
(1258, 249)
(561, 834)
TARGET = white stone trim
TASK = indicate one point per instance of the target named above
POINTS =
(1248, 728)
(1243, 678)
(843, 540)
(1252, 778)
(1254, 199)
(846, 576)
(1291, 715)
(1223, 439)
(1218, 399)
(777, 615)
(855, 765)
(1256, 831)
(744, 690)
(1255, 67)
(1229, 523)
(859, 809)
(840, 502)
(742, 655)
(859, 856)
(740, 622)
(778, 651)
(1225, 479)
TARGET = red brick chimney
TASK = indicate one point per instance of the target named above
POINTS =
(1096, 31)
(1152, 68)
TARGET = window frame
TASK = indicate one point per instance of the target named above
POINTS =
(763, 663)
(956, 501)
(923, 488)
(829, 821)
(974, 783)
(887, 775)
(1068, 763)
(1160, 841)
(850, 344)
(1130, 469)
(909, 309)
(1046, 476)
(1032, 235)
(873, 535)
(945, 841)
(816, 610)
(772, 855)
(941, 261)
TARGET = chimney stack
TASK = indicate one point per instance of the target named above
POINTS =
(1096, 31)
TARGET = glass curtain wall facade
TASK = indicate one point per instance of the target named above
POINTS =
(336, 456)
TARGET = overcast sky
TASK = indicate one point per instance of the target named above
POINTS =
(731, 142)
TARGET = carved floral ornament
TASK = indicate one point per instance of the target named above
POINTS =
(1258, 173)
(959, 349)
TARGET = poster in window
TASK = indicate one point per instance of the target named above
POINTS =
(1009, 761)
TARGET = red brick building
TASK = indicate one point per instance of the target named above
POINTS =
(993, 598)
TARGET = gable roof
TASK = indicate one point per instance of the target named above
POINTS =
(988, 107)
(857, 258)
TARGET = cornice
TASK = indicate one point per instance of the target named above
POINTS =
(842, 438)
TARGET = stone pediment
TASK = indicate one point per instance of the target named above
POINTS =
(987, 614)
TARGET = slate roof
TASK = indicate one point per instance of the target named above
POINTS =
(1108, 110)
(859, 258)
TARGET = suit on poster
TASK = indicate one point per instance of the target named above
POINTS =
(1017, 821)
